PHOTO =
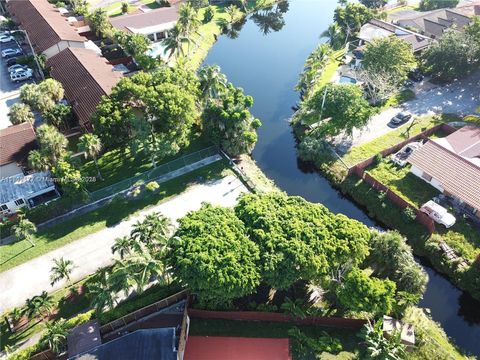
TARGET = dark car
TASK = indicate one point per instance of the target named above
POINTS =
(399, 119)
(11, 61)
(415, 75)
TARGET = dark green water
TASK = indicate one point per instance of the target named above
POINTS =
(267, 67)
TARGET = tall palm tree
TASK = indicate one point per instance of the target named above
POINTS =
(91, 146)
(333, 35)
(55, 335)
(62, 269)
(25, 229)
(39, 305)
(188, 20)
(101, 292)
(37, 161)
(154, 231)
(52, 143)
(124, 246)
(232, 12)
(212, 81)
(174, 42)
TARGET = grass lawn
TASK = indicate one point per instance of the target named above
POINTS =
(255, 329)
(115, 9)
(405, 184)
(152, 4)
(463, 238)
(119, 209)
(364, 151)
(399, 98)
(120, 164)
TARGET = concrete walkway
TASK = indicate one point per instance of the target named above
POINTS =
(93, 251)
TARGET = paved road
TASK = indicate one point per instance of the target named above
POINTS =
(461, 97)
(93, 251)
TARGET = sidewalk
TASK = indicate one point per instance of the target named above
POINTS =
(93, 251)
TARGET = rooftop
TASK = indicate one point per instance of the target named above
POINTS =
(16, 142)
(85, 76)
(147, 22)
(454, 162)
(145, 344)
(21, 187)
(43, 22)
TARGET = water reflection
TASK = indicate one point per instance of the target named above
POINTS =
(271, 18)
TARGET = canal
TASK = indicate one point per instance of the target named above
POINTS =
(265, 57)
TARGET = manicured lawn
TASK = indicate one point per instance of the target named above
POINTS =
(115, 9)
(152, 4)
(120, 164)
(364, 151)
(399, 98)
(403, 182)
(119, 209)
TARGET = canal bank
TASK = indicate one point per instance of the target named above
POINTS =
(266, 63)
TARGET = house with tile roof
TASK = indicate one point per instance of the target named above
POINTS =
(85, 77)
(48, 30)
(452, 165)
(16, 189)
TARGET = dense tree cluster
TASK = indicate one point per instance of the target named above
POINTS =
(213, 256)
(352, 17)
(426, 5)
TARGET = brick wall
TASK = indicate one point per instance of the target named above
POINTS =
(277, 317)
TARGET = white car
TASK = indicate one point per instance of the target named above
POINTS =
(17, 67)
(21, 75)
(438, 213)
(400, 157)
(6, 38)
(7, 53)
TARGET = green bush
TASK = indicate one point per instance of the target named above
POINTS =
(79, 319)
(306, 345)
(410, 214)
(152, 186)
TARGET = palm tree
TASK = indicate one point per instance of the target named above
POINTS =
(188, 20)
(55, 335)
(334, 35)
(174, 42)
(37, 161)
(212, 81)
(232, 12)
(61, 270)
(91, 146)
(100, 291)
(38, 305)
(124, 246)
(154, 231)
(25, 229)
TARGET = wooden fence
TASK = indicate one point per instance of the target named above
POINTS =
(336, 322)
(359, 170)
(145, 311)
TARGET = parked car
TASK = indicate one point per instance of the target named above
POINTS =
(6, 38)
(17, 67)
(11, 61)
(438, 213)
(8, 53)
(21, 75)
(399, 119)
(400, 157)
(415, 75)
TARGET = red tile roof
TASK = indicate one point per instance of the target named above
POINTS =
(141, 20)
(457, 175)
(16, 142)
(43, 22)
(86, 77)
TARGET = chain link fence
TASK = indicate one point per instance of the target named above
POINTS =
(154, 173)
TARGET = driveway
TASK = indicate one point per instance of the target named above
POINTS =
(461, 97)
(94, 251)
(9, 91)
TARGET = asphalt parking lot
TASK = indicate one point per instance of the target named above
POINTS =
(9, 91)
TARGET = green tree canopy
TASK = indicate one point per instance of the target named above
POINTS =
(362, 293)
(390, 55)
(229, 122)
(453, 56)
(300, 240)
(374, 4)
(213, 256)
(165, 98)
(53, 146)
(352, 17)
(20, 113)
(426, 5)
(344, 108)
(391, 257)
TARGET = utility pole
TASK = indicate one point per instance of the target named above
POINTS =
(33, 52)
